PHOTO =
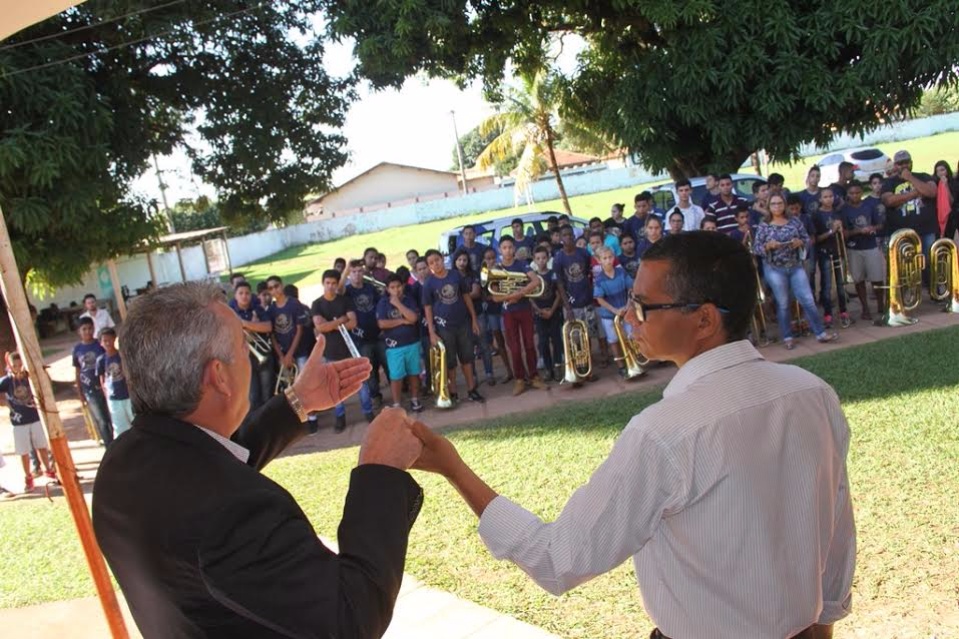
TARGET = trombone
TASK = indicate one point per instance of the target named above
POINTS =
(758, 320)
(378, 285)
(440, 375)
(260, 347)
(500, 282)
(634, 360)
(284, 379)
(576, 351)
(944, 274)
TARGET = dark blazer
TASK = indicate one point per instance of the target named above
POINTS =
(203, 545)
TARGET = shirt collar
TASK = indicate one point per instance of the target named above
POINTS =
(235, 449)
(713, 360)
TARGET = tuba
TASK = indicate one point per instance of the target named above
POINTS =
(500, 282)
(905, 264)
(634, 360)
(284, 379)
(944, 274)
(440, 375)
(576, 353)
(260, 347)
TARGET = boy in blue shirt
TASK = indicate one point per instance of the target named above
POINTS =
(398, 318)
(85, 356)
(611, 290)
(114, 384)
(574, 283)
(27, 430)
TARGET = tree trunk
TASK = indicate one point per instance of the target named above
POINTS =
(552, 165)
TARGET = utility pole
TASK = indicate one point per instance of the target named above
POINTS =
(459, 152)
(166, 205)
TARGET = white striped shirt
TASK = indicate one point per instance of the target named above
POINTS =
(730, 494)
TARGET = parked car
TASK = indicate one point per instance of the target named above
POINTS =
(665, 196)
(865, 161)
(488, 232)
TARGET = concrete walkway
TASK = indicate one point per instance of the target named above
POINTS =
(422, 612)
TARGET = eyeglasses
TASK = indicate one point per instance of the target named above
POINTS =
(641, 308)
(273, 287)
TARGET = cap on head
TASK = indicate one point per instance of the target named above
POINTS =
(902, 156)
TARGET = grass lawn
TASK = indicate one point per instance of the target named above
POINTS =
(899, 396)
(304, 265)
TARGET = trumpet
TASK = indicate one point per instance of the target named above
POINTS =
(284, 379)
(904, 268)
(378, 285)
(260, 347)
(440, 375)
(634, 360)
(944, 274)
(576, 352)
(500, 282)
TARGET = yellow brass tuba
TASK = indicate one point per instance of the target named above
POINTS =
(904, 270)
(500, 282)
(440, 375)
(576, 353)
(944, 274)
(634, 360)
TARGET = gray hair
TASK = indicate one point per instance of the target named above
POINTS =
(168, 338)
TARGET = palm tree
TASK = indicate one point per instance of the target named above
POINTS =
(528, 121)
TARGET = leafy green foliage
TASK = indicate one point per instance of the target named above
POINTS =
(939, 100)
(691, 86)
(473, 143)
(195, 215)
(240, 85)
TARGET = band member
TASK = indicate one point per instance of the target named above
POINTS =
(421, 272)
(114, 383)
(573, 283)
(473, 250)
(411, 256)
(398, 317)
(629, 260)
(263, 294)
(330, 311)
(451, 317)
(743, 227)
(828, 223)
(491, 328)
(518, 320)
(654, 233)
(524, 245)
(370, 258)
(100, 316)
(366, 333)
(548, 316)
(611, 288)
(339, 264)
(635, 226)
(863, 227)
(261, 380)
(910, 201)
(735, 440)
(27, 430)
(85, 355)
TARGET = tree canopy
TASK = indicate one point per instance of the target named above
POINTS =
(88, 95)
(689, 86)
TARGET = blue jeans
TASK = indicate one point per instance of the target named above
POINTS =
(927, 240)
(261, 382)
(375, 351)
(781, 280)
(97, 404)
(366, 400)
(488, 323)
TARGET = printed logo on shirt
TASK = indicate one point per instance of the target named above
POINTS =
(911, 207)
(390, 343)
(115, 371)
(88, 360)
(449, 294)
(575, 272)
(363, 302)
(282, 323)
(394, 313)
(22, 394)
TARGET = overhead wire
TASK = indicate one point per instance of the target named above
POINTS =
(128, 43)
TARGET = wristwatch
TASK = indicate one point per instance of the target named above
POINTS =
(294, 401)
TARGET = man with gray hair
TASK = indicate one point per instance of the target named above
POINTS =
(200, 542)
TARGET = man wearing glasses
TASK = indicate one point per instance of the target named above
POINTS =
(730, 495)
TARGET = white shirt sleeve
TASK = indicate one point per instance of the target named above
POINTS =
(604, 523)
(107, 320)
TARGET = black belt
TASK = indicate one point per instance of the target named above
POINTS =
(812, 632)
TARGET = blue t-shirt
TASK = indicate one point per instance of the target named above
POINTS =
(284, 320)
(518, 266)
(615, 290)
(249, 314)
(573, 272)
(23, 409)
(810, 201)
(110, 368)
(476, 255)
(85, 358)
(304, 317)
(524, 247)
(857, 217)
(365, 299)
(545, 301)
(445, 295)
(402, 335)
(635, 227)
(630, 263)
(822, 222)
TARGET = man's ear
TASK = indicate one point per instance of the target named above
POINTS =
(215, 377)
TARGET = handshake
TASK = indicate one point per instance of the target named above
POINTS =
(396, 439)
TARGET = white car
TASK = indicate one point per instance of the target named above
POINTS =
(488, 232)
(865, 161)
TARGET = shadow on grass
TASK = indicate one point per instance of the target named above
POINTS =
(879, 370)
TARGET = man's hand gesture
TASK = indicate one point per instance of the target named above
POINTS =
(321, 386)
